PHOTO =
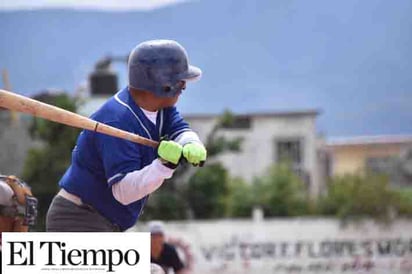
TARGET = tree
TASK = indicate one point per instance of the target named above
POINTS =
(404, 198)
(359, 195)
(207, 192)
(45, 165)
(242, 198)
(216, 144)
(167, 202)
(281, 192)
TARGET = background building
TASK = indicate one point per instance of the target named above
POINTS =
(15, 141)
(384, 154)
(269, 138)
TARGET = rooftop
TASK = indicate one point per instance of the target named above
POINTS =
(267, 114)
(369, 140)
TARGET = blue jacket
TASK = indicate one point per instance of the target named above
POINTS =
(99, 161)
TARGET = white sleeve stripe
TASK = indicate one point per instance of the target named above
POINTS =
(135, 115)
(114, 177)
(172, 137)
(161, 124)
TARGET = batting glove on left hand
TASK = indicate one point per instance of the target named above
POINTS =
(195, 153)
(170, 153)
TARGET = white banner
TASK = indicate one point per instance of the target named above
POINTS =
(289, 245)
(77, 253)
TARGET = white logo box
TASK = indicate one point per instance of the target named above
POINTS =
(77, 253)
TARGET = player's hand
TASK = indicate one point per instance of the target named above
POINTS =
(170, 153)
(195, 153)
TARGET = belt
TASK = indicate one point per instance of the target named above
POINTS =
(71, 197)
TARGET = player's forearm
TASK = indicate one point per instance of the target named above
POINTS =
(137, 184)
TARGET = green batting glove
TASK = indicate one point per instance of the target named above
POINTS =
(194, 153)
(170, 152)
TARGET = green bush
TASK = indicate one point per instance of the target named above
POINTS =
(241, 198)
(165, 204)
(207, 192)
(359, 195)
(404, 196)
(281, 192)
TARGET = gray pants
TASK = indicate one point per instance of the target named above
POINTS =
(65, 216)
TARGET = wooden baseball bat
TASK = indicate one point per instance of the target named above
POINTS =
(33, 107)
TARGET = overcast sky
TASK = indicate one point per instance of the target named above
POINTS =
(350, 59)
(87, 4)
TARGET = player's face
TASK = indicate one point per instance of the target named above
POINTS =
(171, 101)
(156, 241)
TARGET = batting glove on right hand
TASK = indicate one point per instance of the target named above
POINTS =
(170, 153)
(195, 153)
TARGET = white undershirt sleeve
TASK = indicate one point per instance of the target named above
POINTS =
(187, 137)
(139, 183)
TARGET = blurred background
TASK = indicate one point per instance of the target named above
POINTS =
(305, 108)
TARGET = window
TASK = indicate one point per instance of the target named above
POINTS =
(384, 165)
(289, 150)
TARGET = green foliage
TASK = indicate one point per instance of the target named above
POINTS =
(168, 202)
(207, 192)
(216, 144)
(45, 165)
(43, 168)
(241, 198)
(226, 119)
(359, 195)
(220, 144)
(404, 197)
(281, 192)
(55, 134)
(165, 205)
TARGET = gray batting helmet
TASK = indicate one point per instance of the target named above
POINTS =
(161, 67)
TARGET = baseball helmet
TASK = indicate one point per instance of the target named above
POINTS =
(161, 67)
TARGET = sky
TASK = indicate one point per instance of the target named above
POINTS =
(110, 5)
(350, 59)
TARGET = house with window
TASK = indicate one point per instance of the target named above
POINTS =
(389, 154)
(269, 138)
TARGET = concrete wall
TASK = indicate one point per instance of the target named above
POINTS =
(292, 246)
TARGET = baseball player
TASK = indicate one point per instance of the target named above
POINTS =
(109, 179)
(163, 253)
